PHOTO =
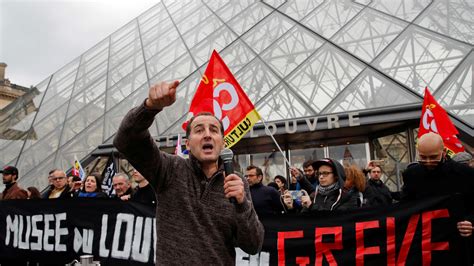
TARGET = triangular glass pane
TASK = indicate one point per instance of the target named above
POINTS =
(124, 35)
(60, 87)
(159, 42)
(44, 147)
(202, 31)
(178, 70)
(237, 55)
(114, 116)
(419, 58)
(51, 122)
(38, 176)
(165, 57)
(319, 79)
(267, 31)
(282, 104)
(331, 16)
(217, 40)
(274, 3)
(80, 146)
(80, 100)
(83, 118)
(403, 9)
(125, 68)
(196, 16)
(452, 18)
(180, 10)
(117, 59)
(298, 9)
(363, 2)
(125, 87)
(256, 79)
(291, 49)
(214, 5)
(457, 94)
(231, 9)
(368, 34)
(152, 17)
(370, 90)
(248, 18)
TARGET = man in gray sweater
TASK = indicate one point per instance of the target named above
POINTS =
(196, 224)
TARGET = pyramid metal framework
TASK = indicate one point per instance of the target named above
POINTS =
(294, 59)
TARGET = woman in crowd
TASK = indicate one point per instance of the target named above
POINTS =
(355, 183)
(33, 193)
(329, 194)
(91, 188)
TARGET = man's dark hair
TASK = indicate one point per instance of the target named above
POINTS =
(308, 163)
(188, 126)
(257, 169)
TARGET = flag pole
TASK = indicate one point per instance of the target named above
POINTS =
(276, 143)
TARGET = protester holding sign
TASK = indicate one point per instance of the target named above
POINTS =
(196, 224)
(436, 174)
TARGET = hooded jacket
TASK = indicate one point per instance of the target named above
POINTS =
(337, 199)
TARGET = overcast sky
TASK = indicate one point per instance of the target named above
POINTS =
(38, 37)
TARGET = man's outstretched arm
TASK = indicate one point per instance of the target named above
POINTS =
(133, 139)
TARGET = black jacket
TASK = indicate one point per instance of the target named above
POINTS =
(377, 193)
(336, 200)
(448, 178)
(266, 200)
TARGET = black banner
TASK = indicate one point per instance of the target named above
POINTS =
(59, 231)
(410, 233)
(123, 233)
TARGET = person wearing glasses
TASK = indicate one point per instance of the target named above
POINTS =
(59, 187)
(329, 194)
(266, 200)
(436, 174)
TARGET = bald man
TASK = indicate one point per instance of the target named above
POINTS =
(435, 174)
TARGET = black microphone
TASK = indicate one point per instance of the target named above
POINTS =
(227, 155)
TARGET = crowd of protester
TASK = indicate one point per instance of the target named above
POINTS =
(322, 185)
(63, 186)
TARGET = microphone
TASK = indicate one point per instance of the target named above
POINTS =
(226, 156)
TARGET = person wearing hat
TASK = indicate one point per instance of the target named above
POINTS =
(12, 190)
(329, 194)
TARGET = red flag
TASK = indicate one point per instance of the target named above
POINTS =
(220, 93)
(435, 119)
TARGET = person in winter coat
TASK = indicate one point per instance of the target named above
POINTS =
(355, 183)
(91, 188)
(377, 193)
(329, 194)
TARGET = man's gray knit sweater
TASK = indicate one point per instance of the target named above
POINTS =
(195, 223)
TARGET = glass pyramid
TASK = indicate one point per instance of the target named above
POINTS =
(294, 58)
